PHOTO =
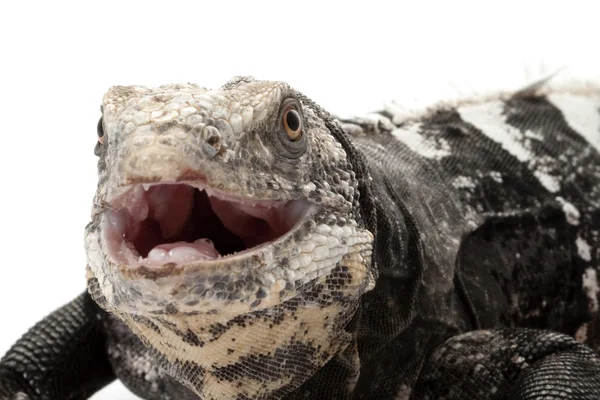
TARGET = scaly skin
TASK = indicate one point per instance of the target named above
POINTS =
(448, 254)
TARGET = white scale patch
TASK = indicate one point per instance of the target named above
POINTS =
(584, 249)
(582, 113)
(590, 285)
(534, 135)
(411, 136)
(571, 212)
(463, 182)
(488, 118)
(497, 176)
(550, 182)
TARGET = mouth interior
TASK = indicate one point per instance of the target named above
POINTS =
(161, 223)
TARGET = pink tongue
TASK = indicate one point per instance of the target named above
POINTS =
(181, 252)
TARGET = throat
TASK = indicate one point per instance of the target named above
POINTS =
(182, 218)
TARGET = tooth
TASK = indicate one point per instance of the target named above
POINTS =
(146, 186)
(203, 240)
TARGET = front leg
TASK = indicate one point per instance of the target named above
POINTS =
(63, 357)
(510, 364)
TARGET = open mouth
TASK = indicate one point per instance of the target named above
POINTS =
(159, 223)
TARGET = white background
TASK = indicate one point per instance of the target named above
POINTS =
(58, 58)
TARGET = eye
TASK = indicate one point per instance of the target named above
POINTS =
(292, 123)
(290, 139)
(100, 131)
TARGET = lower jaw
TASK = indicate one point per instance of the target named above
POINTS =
(228, 286)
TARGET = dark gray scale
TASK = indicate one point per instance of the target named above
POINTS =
(522, 266)
(523, 257)
(413, 306)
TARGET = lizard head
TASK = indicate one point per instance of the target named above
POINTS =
(213, 206)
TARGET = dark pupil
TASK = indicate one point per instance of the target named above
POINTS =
(100, 129)
(293, 120)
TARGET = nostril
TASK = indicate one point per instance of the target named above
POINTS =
(212, 140)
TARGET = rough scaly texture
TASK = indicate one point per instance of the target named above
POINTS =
(245, 244)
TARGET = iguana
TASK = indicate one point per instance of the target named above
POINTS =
(246, 244)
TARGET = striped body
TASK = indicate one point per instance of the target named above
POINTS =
(501, 197)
